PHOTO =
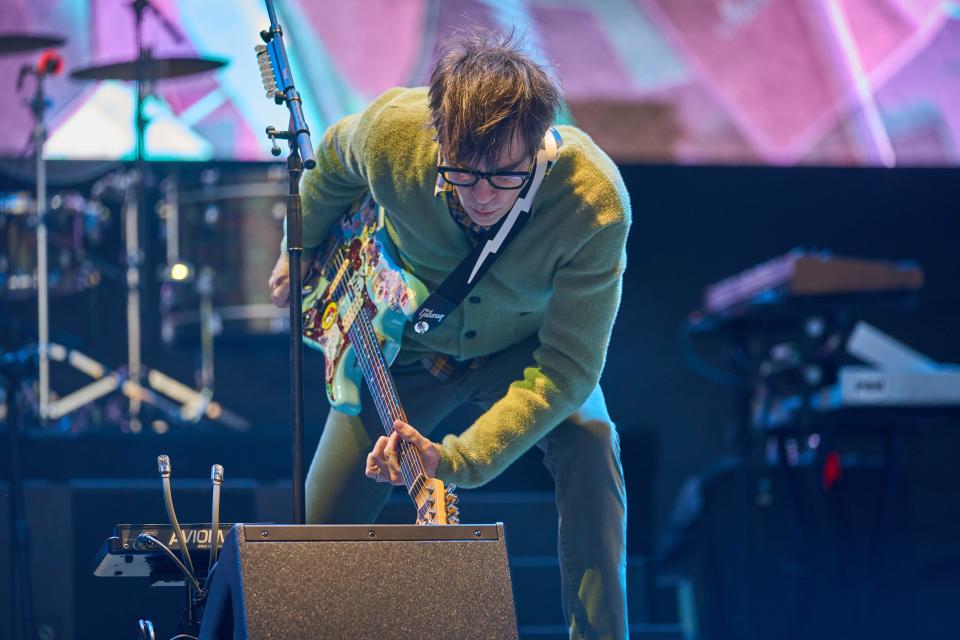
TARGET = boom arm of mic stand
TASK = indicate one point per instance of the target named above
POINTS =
(286, 92)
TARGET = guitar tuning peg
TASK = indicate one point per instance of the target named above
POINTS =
(453, 520)
(430, 489)
(452, 499)
(451, 488)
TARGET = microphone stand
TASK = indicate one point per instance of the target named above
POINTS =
(38, 106)
(301, 156)
(295, 254)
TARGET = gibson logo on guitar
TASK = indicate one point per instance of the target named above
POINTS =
(356, 301)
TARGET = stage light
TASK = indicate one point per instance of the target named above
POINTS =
(179, 272)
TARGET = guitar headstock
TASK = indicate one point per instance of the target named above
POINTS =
(437, 504)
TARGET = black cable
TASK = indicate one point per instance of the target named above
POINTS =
(173, 556)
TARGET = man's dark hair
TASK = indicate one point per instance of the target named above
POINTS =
(485, 92)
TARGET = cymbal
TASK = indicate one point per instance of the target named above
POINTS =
(153, 69)
(17, 42)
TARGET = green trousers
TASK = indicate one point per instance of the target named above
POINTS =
(582, 454)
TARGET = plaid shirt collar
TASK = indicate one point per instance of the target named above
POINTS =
(457, 212)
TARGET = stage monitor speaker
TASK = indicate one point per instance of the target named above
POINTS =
(355, 581)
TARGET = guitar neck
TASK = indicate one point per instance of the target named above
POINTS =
(376, 372)
(339, 321)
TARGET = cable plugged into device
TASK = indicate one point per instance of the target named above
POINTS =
(163, 464)
(190, 622)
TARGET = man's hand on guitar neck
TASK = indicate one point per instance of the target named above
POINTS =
(383, 464)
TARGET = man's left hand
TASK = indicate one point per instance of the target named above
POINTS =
(383, 464)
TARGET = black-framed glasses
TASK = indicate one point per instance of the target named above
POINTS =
(461, 177)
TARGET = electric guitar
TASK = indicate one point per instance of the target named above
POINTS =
(356, 301)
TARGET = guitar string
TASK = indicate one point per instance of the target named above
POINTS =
(368, 374)
(376, 397)
(388, 392)
(386, 401)
(364, 339)
(378, 365)
(408, 454)
(385, 394)
(384, 370)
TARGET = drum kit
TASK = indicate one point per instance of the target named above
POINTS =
(208, 230)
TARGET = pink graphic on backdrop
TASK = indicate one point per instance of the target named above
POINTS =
(182, 93)
(748, 80)
(599, 74)
(229, 133)
(708, 134)
(764, 67)
(922, 101)
(775, 65)
(44, 17)
(878, 29)
(452, 15)
(356, 33)
(114, 34)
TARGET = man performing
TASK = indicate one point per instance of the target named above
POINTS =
(527, 344)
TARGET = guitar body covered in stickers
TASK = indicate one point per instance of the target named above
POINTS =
(355, 272)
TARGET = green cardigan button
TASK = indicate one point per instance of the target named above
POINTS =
(470, 334)
(474, 299)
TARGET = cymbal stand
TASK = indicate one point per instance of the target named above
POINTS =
(38, 106)
(178, 401)
(202, 277)
(194, 405)
(45, 350)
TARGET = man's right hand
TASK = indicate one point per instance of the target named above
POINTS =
(279, 281)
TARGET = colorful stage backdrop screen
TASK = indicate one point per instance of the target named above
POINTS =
(839, 82)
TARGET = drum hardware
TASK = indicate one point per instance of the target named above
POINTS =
(73, 223)
(38, 106)
(153, 68)
(22, 42)
(219, 225)
(178, 271)
(180, 403)
(15, 366)
(137, 382)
